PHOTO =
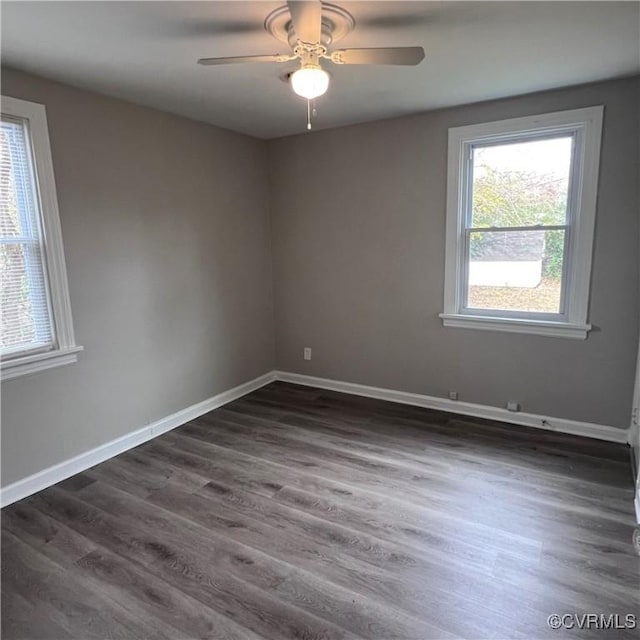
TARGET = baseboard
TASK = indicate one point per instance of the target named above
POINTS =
(573, 427)
(63, 470)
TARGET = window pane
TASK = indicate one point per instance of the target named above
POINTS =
(516, 270)
(25, 322)
(522, 184)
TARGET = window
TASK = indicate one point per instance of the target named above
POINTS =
(520, 216)
(35, 316)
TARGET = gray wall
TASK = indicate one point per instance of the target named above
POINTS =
(168, 247)
(358, 228)
(166, 231)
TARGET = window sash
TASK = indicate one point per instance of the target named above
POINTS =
(35, 274)
(65, 350)
(35, 269)
(516, 137)
(466, 227)
(562, 315)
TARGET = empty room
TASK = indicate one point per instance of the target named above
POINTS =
(320, 320)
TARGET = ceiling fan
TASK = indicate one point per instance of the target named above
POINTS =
(310, 27)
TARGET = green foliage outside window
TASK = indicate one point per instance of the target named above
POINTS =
(522, 199)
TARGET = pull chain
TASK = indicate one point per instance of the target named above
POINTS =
(311, 113)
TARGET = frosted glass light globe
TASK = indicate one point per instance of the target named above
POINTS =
(310, 82)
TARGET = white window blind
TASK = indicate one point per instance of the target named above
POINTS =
(25, 315)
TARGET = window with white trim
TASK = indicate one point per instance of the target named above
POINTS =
(521, 200)
(36, 330)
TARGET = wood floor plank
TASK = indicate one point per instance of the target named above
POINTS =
(78, 608)
(402, 580)
(276, 576)
(330, 433)
(296, 512)
(183, 615)
(63, 544)
(419, 441)
(369, 409)
(416, 534)
(23, 620)
(335, 511)
(142, 594)
(410, 521)
(441, 478)
(492, 460)
(380, 476)
(386, 572)
(129, 472)
(186, 560)
(462, 438)
(438, 427)
(267, 478)
(230, 477)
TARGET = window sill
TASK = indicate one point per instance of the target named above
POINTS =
(517, 325)
(38, 362)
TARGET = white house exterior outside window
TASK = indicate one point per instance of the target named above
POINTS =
(521, 201)
(36, 330)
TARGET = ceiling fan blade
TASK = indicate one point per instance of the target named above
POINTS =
(384, 55)
(239, 59)
(307, 19)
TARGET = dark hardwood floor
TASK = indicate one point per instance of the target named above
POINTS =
(300, 513)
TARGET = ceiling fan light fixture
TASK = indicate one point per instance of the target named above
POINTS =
(311, 81)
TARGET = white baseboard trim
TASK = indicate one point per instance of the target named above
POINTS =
(562, 425)
(63, 470)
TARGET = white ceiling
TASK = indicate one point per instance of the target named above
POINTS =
(146, 52)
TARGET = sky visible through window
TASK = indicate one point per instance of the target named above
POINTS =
(550, 156)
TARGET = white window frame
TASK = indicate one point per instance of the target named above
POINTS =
(586, 127)
(65, 350)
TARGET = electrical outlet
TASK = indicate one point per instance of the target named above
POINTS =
(513, 406)
(453, 395)
(306, 354)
